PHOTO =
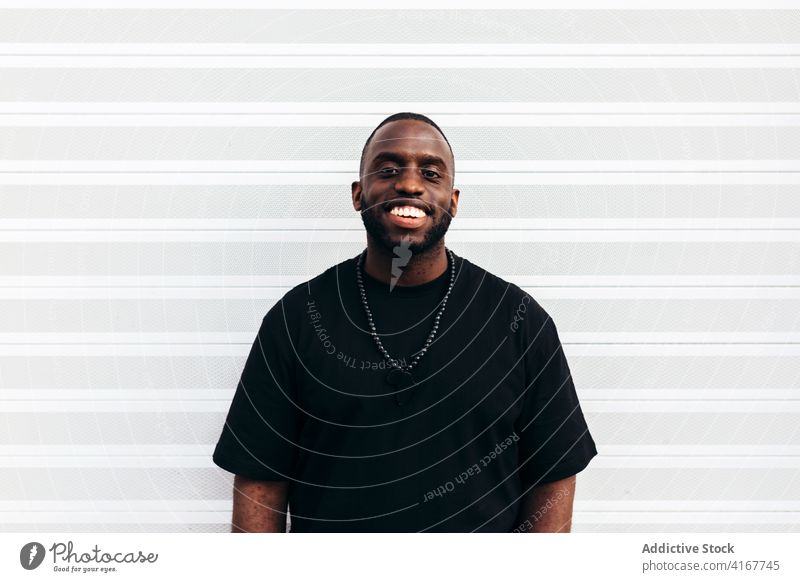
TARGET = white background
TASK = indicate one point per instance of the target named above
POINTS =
(166, 175)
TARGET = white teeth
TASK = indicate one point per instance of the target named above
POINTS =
(407, 211)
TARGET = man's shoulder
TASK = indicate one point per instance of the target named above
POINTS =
(526, 319)
(293, 303)
(509, 294)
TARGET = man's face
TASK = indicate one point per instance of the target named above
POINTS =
(407, 164)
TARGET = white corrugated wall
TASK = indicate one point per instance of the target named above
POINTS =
(166, 175)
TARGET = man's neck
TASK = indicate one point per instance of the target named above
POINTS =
(420, 268)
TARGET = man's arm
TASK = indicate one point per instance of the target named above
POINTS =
(547, 508)
(259, 506)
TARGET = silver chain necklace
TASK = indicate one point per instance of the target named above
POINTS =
(400, 374)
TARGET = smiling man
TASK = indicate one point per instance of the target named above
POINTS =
(405, 389)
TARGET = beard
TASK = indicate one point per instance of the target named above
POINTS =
(375, 228)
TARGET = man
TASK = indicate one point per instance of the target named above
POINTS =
(405, 389)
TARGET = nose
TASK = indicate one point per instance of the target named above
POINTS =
(409, 182)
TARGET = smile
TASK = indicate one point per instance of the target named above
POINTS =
(407, 216)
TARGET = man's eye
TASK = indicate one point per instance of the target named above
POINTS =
(430, 174)
(387, 171)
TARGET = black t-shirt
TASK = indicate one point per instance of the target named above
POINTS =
(493, 413)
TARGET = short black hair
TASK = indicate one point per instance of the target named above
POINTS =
(396, 117)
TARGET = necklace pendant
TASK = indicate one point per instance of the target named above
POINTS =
(402, 380)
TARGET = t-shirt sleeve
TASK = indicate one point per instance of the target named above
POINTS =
(555, 441)
(260, 433)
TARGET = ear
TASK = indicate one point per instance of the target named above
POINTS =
(355, 189)
(454, 202)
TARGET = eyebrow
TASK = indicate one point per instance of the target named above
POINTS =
(424, 159)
